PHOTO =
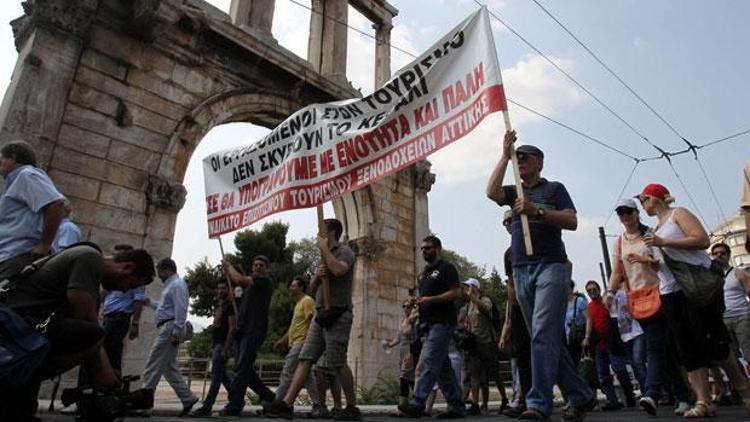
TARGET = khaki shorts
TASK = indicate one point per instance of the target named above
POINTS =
(331, 343)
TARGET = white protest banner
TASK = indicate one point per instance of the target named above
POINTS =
(323, 151)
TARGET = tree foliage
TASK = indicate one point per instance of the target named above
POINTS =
(492, 283)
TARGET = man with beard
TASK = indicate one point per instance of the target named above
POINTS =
(63, 294)
(438, 289)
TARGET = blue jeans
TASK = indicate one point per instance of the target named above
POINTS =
(245, 375)
(436, 367)
(219, 376)
(619, 365)
(543, 291)
(116, 326)
(637, 353)
(655, 332)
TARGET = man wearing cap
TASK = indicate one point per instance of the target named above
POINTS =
(482, 361)
(542, 280)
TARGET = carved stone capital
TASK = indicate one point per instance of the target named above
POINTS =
(165, 193)
(72, 18)
(368, 246)
(423, 178)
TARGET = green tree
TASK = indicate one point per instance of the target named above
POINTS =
(201, 343)
(492, 283)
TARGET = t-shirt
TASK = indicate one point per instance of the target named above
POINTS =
(734, 295)
(341, 287)
(45, 291)
(256, 301)
(221, 321)
(637, 274)
(628, 327)
(480, 324)
(435, 280)
(545, 238)
(600, 320)
(303, 311)
(28, 190)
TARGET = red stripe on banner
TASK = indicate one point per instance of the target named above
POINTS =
(407, 153)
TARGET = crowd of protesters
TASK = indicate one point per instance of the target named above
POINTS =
(671, 312)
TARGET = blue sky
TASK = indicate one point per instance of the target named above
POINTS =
(688, 60)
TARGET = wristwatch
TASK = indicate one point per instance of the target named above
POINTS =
(540, 212)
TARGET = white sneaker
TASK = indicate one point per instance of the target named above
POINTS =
(69, 410)
(681, 408)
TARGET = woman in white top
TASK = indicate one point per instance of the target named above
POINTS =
(636, 267)
(699, 332)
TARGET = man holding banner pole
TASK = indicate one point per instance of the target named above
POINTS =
(542, 278)
(330, 329)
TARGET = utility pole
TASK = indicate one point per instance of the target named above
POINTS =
(604, 279)
(605, 251)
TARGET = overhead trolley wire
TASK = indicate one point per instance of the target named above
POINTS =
(572, 79)
(624, 187)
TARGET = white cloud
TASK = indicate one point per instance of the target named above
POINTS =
(641, 43)
(533, 82)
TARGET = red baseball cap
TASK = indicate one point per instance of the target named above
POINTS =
(656, 190)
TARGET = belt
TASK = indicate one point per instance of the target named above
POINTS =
(164, 321)
(118, 315)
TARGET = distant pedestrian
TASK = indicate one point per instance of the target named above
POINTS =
(745, 203)
(67, 233)
(737, 313)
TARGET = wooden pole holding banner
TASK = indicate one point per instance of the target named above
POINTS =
(325, 284)
(229, 280)
(519, 188)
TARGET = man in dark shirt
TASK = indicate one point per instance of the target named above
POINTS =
(542, 280)
(68, 285)
(224, 325)
(252, 326)
(438, 289)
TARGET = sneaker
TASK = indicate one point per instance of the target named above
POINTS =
(514, 412)
(649, 405)
(335, 411)
(577, 413)
(349, 413)
(532, 414)
(319, 411)
(612, 406)
(474, 410)
(410, 411)
(450, 414)
(681, 408)
(201, 412)
(187, 407)
(279, 409)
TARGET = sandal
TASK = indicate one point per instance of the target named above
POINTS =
(700, 410)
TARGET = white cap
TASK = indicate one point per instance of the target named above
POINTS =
(472, 282)
(628, 203)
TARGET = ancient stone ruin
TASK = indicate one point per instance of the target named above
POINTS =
(115, 95)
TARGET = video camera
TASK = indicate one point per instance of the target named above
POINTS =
(94, 406)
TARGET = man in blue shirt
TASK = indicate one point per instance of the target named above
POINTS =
(542, 280)
(67, 233)
(30, 208)
(171, 316)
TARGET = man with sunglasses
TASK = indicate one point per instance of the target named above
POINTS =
(438, 289)
(542, 280)
(737, 307)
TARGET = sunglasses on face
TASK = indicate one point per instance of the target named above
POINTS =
(643, 199)
(716, 253)
(624, 211)
(427, 248)
(506, 222)
(522, 156)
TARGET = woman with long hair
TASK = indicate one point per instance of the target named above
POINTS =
(636, 267)
(698, 330)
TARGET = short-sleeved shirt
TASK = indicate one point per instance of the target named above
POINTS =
(546, 239)
(480, 324)
(67, 234)
(301, 318)
(45, 291)
(27, 191)
(734, 295)
(117, 301)
(221, 321)
(341, 287)
(256, 301)
(577, 307)
(600, 320)
(433, 281)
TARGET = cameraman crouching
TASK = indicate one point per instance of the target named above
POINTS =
(63, 292)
